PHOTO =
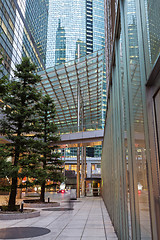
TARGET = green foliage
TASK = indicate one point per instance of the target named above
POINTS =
(51, 165)
(7, 209)
(3, 80)
(19, 123)
(28, 125)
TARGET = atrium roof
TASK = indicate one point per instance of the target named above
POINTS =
(61, 82)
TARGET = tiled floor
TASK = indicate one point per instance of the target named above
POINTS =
(88, 221)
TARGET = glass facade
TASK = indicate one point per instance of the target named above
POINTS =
(82, 49)
(129, 184)
(36, 17)
(83, 22)
(91, 152)
(152, 32)
(60, 51)
(89, 26)
(72, 16)
(23, 27)
(98, 25)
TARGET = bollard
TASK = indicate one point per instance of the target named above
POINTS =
(48, 199)
(21, 209)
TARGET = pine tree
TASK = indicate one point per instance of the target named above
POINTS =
(3, 80)
(18, 124)
(51, 165)
(5, 165)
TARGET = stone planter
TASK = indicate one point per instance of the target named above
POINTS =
(14, 216)
(41, 205)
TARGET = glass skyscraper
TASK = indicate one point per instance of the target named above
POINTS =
(82, 48)
(60, 51)
(83, 21)
(23, 27)
(89, 26)
(98, 25)
(36, 17)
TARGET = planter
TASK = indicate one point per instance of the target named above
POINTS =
(35, 203)
(17, 215)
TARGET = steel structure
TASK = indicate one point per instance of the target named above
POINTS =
(61, 82)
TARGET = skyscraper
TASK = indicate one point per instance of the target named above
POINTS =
(82, 48)
(23, 27)
(36, 17)
(83, 21)
(98, 25)
(60, 51)
(89, 26)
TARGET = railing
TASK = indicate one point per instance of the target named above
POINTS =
(93, 192)
(74, 128)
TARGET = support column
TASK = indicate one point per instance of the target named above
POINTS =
(64, 160)
(78, 125)
(82, 172)
(85, 171)
(78, 172)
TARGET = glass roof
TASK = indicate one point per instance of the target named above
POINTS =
(61, 82)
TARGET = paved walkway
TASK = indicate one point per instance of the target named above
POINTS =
(88, 221)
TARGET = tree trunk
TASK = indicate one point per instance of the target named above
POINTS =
(12, 198)
(42, 197)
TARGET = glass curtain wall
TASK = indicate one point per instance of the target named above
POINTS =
(125, 163)
(151, 31)
(98, 25)
(71, 13)
(23, 28)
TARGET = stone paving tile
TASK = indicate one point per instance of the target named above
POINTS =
(50, 236)
(94, 226)
(94, 238)
(94, 232)
(8, 223)
(95, 222)
(74, 232)
(88, 221)
(75, 225)
(68, 238)
(112, 238)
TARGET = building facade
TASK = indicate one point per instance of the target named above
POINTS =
(130, 154)
(83, 22)
(23, 26)
(60, 51)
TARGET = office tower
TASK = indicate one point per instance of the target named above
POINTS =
(23, 27)
(36, 17)
(72, 15)
(89, 26)
(82, 49)
(98, 25)
(83, 22)
(60, 51)
(152, 9)
(133, 41)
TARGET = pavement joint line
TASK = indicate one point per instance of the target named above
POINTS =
(50, 213)
(69, 221)
(86, 220)
(81, 217)
(14, 223)
(103, 220)
(55, 219)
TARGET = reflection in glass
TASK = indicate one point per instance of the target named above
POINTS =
(152, 9)
(138, 155)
